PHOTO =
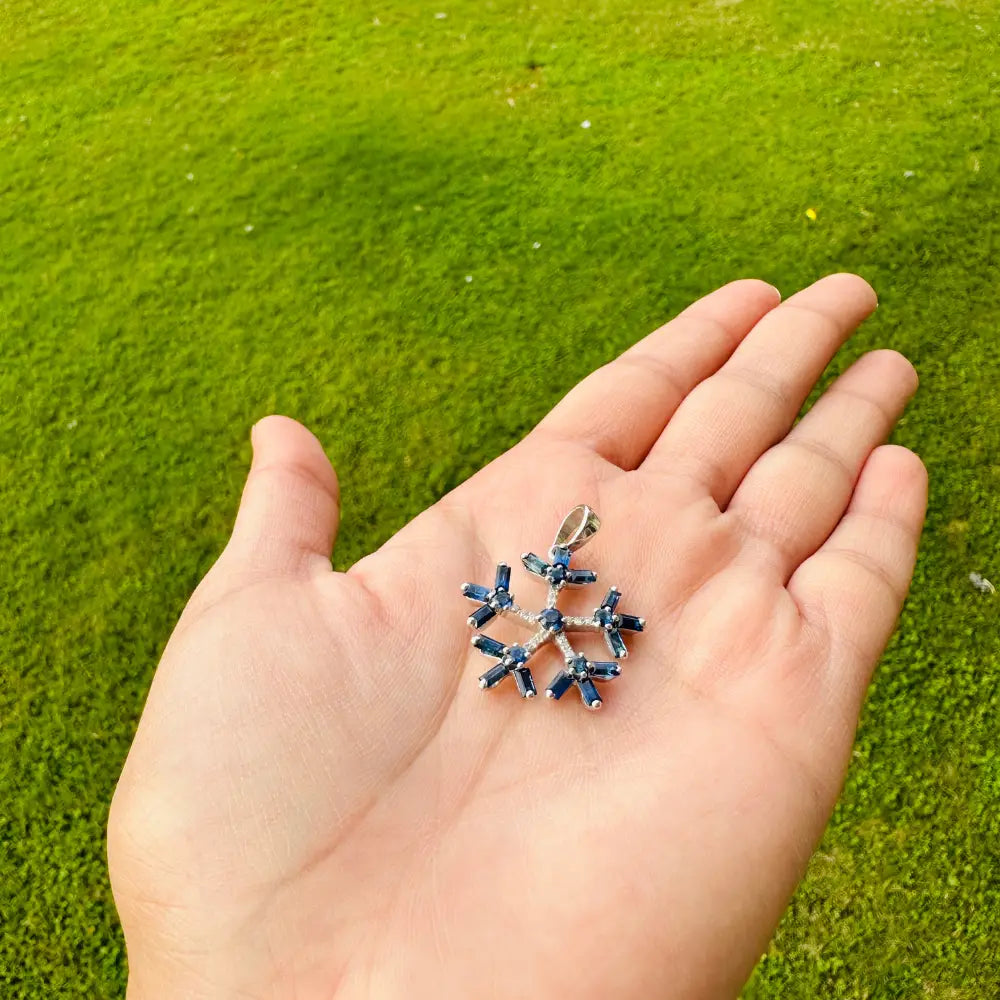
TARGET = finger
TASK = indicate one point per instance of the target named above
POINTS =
(853, 587)
(732, 418)
(288, 515)
(620, 409)
(797, 492)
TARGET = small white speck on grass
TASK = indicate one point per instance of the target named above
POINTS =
(440, 17)
(190, 177)
(248, 228)
(878, 65)
(536, 246)
(585, 123)
(981, 583)
(468, 279)
(23, 118)
(909, 173)
(511, 102)
(376, 21)
(71, 425)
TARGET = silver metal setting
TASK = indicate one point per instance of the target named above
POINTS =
(577, 528)
(549, 625)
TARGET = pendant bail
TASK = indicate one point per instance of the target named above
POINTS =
(578, 527)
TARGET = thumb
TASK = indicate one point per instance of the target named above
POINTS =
(290, 508)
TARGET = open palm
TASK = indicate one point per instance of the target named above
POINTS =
(321, 802)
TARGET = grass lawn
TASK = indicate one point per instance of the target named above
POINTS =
(370, 217)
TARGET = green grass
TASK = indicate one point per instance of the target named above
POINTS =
(143, 328)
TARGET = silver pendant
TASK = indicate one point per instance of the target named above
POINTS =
(550, 625)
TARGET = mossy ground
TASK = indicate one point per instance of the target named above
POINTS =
(382, 156)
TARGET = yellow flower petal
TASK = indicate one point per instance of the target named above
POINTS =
(811, 214)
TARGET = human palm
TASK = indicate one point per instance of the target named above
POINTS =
(321, 802)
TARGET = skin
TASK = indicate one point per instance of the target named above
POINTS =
(320, 802)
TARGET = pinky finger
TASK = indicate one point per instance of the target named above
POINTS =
(853, 587)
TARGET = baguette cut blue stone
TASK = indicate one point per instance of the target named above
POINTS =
(588, 692)
(560, 556)
(533, 564)
(579, 577)
(630, 623)
(561, 683)
(502, 577)
(525, 682)
(611, 599)
(493, 676)
(481, 616)
(616, 643)
(604, 671)
(475, 592)
(489, 646)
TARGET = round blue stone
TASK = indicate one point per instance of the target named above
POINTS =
(501, 599)
(518, 654)
(604, 617)
(578, 667)
(552, 619)
(557, 573)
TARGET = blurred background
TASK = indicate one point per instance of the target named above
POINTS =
(396, 222)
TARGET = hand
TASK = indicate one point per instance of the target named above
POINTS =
(320, 801)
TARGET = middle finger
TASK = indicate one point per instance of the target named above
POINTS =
(728, 421)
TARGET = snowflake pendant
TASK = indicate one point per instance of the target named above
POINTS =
(550, 624)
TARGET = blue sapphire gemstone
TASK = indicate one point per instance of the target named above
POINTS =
(561, 683)
(611, 600)
(589, 693)
(501, 599)
(604, 617)
(493, 676)
(603, 671)
(489, 646)
(525, 683)
(517, 654)
(580, 576)
(551, 619)
(560, 556)
(475, 592)
(578, 667)
(616, 643)
(557, 574)
(481, 616)
(533, 564)
(630, 623)
(503, 576)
